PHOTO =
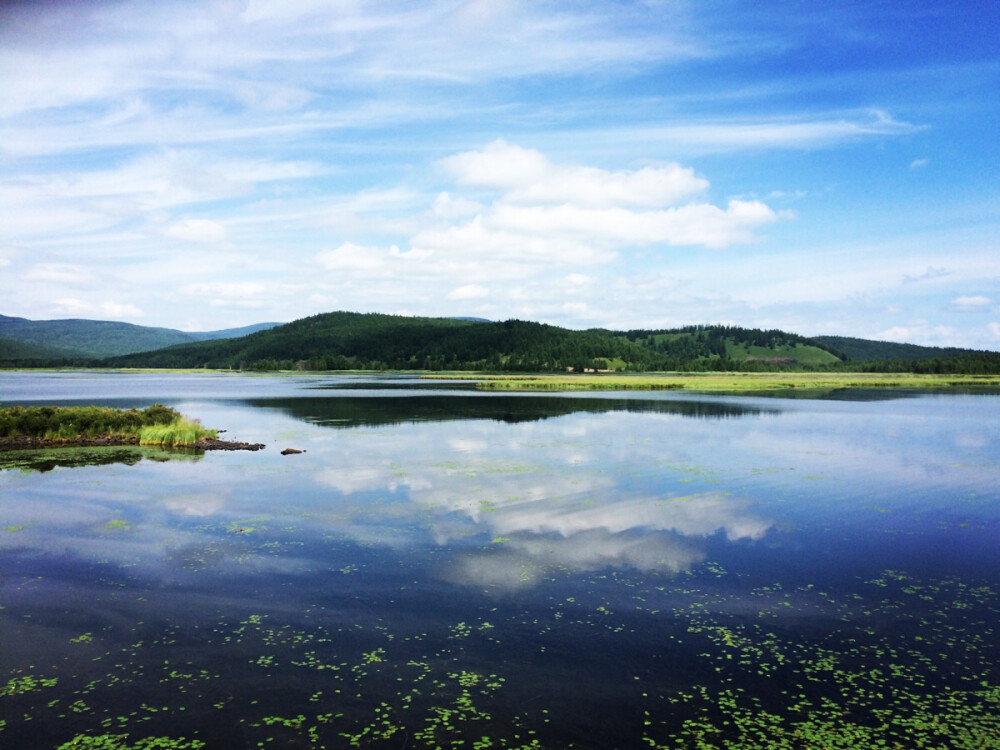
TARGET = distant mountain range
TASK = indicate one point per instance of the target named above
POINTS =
(345, 340)
(94, 339)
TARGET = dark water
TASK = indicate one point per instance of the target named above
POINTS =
(447, 568)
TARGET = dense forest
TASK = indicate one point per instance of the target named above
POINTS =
(356, 341)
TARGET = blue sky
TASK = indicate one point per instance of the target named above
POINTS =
(824, 168)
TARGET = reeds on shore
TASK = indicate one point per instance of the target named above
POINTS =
(177, 433)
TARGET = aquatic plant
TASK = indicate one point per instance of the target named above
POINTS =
(121, 742)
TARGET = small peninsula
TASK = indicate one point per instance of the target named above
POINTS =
(32, 427)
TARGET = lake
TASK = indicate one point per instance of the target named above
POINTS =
(443, 567)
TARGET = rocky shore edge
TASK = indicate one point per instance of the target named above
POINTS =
(23, 442)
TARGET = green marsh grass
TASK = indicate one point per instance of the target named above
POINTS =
(180, 432)
(724, 382)
(156, 425)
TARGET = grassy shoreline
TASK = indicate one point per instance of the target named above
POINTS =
(66, 425)
(726, 382)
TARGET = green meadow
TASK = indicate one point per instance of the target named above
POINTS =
(736, 382)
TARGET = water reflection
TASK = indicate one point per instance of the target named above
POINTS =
(525, 560)
(377, 410)
(53, 458)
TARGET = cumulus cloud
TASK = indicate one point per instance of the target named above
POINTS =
(526, 214)
(584, 213)
(527, 176)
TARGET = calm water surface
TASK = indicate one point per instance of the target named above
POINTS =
(442, 566)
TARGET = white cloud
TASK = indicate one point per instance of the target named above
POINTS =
(994, 329)
(249, 295)
(132, 132)
(481, 242)
(974, 303)
(927, 335)
(527, 176)
(545, 216)
(103, 310)
(59, 273)
(369, 261)
(197, 230)
(449, 207)
(693, 224)
(807, 131)
(469, 291)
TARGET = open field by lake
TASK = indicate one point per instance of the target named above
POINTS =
(445, 566)
(725, 382)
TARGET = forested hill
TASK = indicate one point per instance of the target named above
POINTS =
(865, 350)
(343, 340)
(76, 339)
(371, 341)
(12, 350)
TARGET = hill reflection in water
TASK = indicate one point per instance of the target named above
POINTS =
(374, 410)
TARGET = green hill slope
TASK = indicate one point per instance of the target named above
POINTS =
(22, 351)
(345, 340)
(88, 339)
(865, 350)
(733, 347)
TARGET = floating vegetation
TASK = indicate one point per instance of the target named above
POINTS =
(930, 681)
(121, 742)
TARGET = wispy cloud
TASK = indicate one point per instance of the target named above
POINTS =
(972, 303)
